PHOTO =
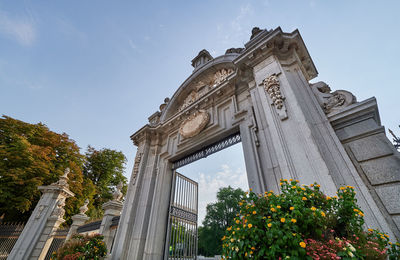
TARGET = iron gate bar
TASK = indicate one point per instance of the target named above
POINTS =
(181, 238)
(208, 150)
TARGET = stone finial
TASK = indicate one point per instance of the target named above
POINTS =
(117, 195)
(254, 32)
(84, 208)
(202, 58)
(63, 181)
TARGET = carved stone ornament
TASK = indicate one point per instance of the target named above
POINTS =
(272, 87)
(63, 181)
(135, 172)
(221, 76)
(84, 208)
(117, 194)
(194, 124)
(332, 101)
(59, 210)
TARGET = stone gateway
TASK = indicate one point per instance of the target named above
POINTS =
(289, 128)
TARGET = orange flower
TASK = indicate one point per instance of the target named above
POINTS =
(291, 208)
(283, 220)
(269, 224)
(254, 212)
(302, 244)
(304, 198)
(293, 220)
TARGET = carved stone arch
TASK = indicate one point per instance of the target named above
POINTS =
(200, 79)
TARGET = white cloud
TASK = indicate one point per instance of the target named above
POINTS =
(210, 184)
(20, 29)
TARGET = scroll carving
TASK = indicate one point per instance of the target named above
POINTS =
(135, 172)
(332, 101)
(194, 124)
(272, 87)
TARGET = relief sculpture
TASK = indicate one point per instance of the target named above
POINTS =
(135, 172)
(332, 101)
(272, 87)
(194, 124)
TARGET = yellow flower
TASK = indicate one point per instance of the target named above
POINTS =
(233, 232)
(294, 234)
(302, 244)
(229, 228)
(281, 183)
(293, 220)
(232, 239)
(291, 208)
(290, 179)
(249, 225)
(273, 209)
(240, 203)
(269, 224)
(269, 194)
(251, 252)
(285, 180)
(283, 220)
(293, 187)
(361, 214)
(237, 228)
(245, 254)
(328, 198)
(342, 188)
(313, 208)
(253, 248)
(237, 221)
(254, 212)
(302, 188)
(251, 189)
(223, 238)
(311, 185)
(318, 185)
(386, 235)
(278, 207)
(370, 230)
(323, 214)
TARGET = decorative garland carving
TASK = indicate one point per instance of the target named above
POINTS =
(194, 124)
(332, 101)
(138, 158)
(272, 87)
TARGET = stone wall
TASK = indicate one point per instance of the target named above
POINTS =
(375, 158)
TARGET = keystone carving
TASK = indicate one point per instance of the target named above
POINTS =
(135, 172)
(194, 124)
(272, 87)
(332, 101)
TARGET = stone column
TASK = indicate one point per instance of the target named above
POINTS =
(47, 216)
(78, 220)
(111, 209)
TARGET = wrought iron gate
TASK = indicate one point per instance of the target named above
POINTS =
(181, 240)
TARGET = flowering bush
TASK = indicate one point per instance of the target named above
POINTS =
(303, 223)
(81, 248)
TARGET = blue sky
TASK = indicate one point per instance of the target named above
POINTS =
(97, 69)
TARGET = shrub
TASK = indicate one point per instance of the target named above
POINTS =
(81, 248)
(303, 223)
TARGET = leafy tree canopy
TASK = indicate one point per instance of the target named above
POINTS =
(219, 216)
(31, 155)
(105, 169)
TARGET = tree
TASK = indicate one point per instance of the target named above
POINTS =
(31, 155)
(219, 216)
(105, 169)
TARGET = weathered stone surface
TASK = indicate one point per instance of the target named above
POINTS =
(396, 220)
(390, 197)
(382, 170)
(370, 147)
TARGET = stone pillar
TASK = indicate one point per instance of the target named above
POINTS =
(78, 220)
(111, 209)
(47, 216)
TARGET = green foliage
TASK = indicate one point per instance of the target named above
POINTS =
(105, 169)
(218, 217)
(31, 155)
(82, 248)
(301, 223)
